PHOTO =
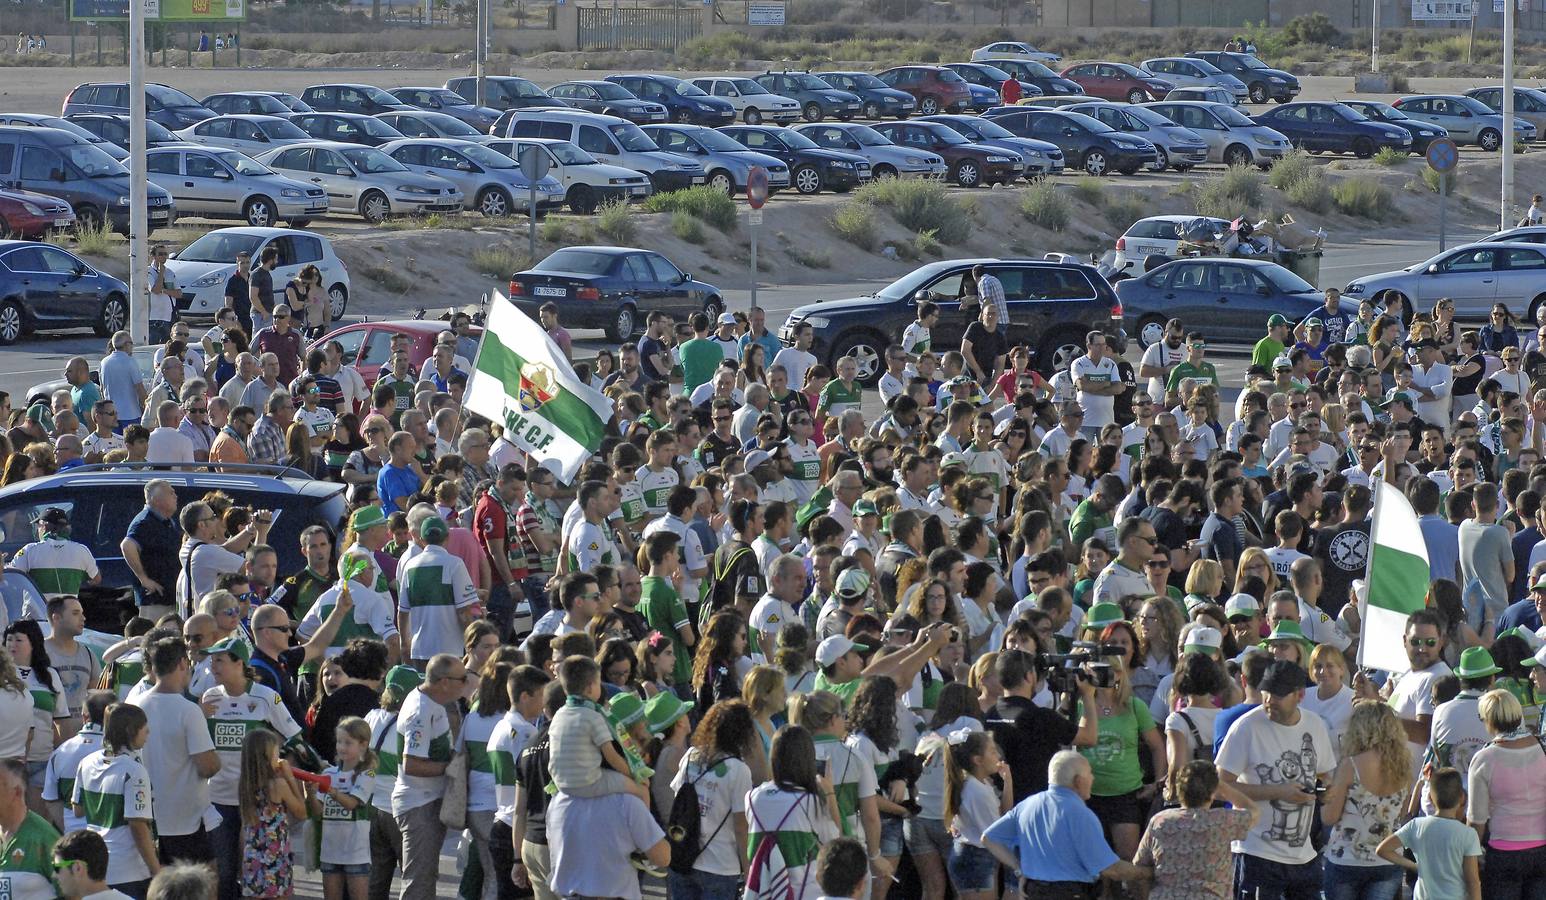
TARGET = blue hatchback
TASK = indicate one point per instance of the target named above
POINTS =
(684, 101)
(1324, 126)
(1234, 296)
(44, 287)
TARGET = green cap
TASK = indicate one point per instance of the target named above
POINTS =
(865, 507)
(663, 710)
(1103, 614)
(1540, 583)
(627, 708)
(1287, 631)
(367, 517)
(433, 529)
(1476, 662)
(1276, 319)
(403, 679)
(234, 646)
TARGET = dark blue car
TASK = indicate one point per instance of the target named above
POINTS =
(1048, 82)
(1324, 126)
(1234, 296)
(612, 288)
(812, 168)
(684, 101)
(991, 76)
(1423, 133)
(44, 287)
(1093, 146)
(880, 100)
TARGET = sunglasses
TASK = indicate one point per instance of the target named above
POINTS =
(1157, 564)
(1430, 643)
(61, 864)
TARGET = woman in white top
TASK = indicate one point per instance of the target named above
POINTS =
(1189, 730)
(16, 723)
(797, 811)
(1332, 697)
(928, 840)
(1365, 801)
(715, 767)
(971, 805)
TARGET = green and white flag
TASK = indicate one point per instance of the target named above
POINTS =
(1397, 580)
(522, 381)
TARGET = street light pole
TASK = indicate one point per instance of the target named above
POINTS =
(1506, 201)
(139, 311)
(480, 51)
(1374, 39)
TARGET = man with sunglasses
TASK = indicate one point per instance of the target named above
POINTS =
(282, 341)
(1410, 693)
(1125, 575)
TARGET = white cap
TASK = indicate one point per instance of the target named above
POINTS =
(835, 648)
(1241, 604)
(727, 318)
(1206, 637)
(757, 458)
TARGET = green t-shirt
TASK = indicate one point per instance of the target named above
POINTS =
(664, 612)
(1089, 522)
(700, 357)
(1114, 758)
(836, 399)
(1267, 349)
(845, 690)
(1183, 369)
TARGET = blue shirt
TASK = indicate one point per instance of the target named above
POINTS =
(1056, 836)
(393, 482)
(1521, 613)
(1443, 542)
(769, 341)
(1226, 719)
(119, 374)
(1334, 324)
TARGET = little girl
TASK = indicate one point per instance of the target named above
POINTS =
(112, 793)
(269, 796)
(970, 807)
(445, 501)
(346, 814)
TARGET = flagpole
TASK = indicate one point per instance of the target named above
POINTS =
(1368, 568)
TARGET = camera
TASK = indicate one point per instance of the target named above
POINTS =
(1084, 662)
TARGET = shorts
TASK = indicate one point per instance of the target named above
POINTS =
(926, 837)
(36, 770)
(972, 868)
(891, 836)
(360, 869)
(1122, 809)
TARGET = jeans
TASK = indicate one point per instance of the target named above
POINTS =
(702, 886)
(225, 840)
(159, 331)
(1361, 882)
(1514, 874)
(502, 852)
(1263, 879)
(423, 833)
(386, 852)
(537, 595)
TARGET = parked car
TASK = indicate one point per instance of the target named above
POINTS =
(256, 103)
(1262, 82)
(1052, 306)
(983, 98)
(1234, 296)
(1319, 125)
(1001, 50)
(96, 186)
(1118, 81)
(367, 346)
(490, 182)
(224, 184)
(1041, 157)
(1092, 145)
(1030, 71)
(811, 168)
(249, 134)
(115, 130)
(1056, 101)
(45, 288)
(611, 140)
(936, 88)
(165, 105)
(726, 161)
(1182, 71)
(346, 128)
(989, 75)
(610, 287)
(971, 165)
(1467, 119)
(433, 125)
(1233, 138)
(504, 92)
(1204, 94)
(1175, 146)
(449, 102)
(295, 103)
(362, 99)
(684, 101)
(1422, 133)
(876, 99)
(752, 101)
(363, 180)
(36, 120)
(818, 99)
(887, 159)
(609, 99)
(1153, 236)
(587, 182)
(30, 216)
(1524, 234)
(203, 267)
(1475, 276)
(1529, 103)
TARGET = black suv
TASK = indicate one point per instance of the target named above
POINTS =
(1261, 82)
(1052, 306)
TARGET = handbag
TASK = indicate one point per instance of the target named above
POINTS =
(453, 804)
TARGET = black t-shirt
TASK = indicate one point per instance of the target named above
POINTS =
(263, 280)
(1169, 527)
(1343, 553)
(1465, 385)
(531, 773)
(1029, 736)
(987, 347)
(714, 450)
(236, 294)
(1219, 540)
(650, 347)
(634, 621)
(349, 700)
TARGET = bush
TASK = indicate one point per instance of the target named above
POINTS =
(687, 226)
(854, 222)
(1364, 198)
(94, 241)
(1432, 181)
(1312, 29)
(1310, 193)
(500, 262)
(1390, 156)
(921, 204)
(1291, 168)
(1235, 193)
(614, 220)
(926, 245)
(553, 230)
(712, 206)
(1044, 206)
(1124, 210)
(1091, 191)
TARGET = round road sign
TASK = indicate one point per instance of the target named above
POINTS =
(1442, 155)
(534, 162)
(757, 187)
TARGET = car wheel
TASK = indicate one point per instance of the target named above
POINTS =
(1257, 92)
(712, 308)
(1363, 148)
(337, 301)
(10, 322)
(928, 106)
(967, 174)
(114, 316)
(259, 212)
(1237, 155)
(1095, 162)
(721, 181)
(1162, 161)
(751, 116)
(884, 170)
(375, 207)
(494, 203)
(872, 110)
(1136, 96)
(621, 328)
(1535, 307)
(1489, 139)
(864, 347)
(806, 180)
(1151, 330)
(812, 112)
(1059, 351)
(87, 218)
(682, 116)
(582, 200)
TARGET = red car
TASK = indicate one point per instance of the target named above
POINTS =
(936, 88)
(1118, 81)
(30, 216)
(367, 344)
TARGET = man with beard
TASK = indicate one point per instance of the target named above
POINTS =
(917, 475)
(1161, 357)
(1410, 693)
(878, 471)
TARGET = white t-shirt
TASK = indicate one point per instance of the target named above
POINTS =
(689, 550)
(916, 339)
(1202, 718)
(504, 749)
(373, 616)
(722, 791)
(48, 704)
(209, 561)
(1334, 711)
(1413, 696)
(768, 618)
(168, 445)
(346, 832)
(63, 769)
(890, 386)
(424, 731)
(1099, 409)
(1161, 354)
(113, 790)
(979, 809)
(1283, 559)
(15, 723)
(258, 708)
(178, 732)
(431, 588)
(806, 477)
(1261, 751)
(656, 488)
(853, 779)
(795, 363)
(1458, 733)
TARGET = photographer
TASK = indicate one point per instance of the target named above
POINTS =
(1029, 734)
(202, 559)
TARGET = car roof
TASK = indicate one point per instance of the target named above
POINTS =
(420, 87)
(46, 133)
(247, 117)
(453, 143)
(10, 244)
(267, 232)
(331, 145)
(114, 476)
(565, 115)
(1178, 218)
(406, 326)
(338, 84)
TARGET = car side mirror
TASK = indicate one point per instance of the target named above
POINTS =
(684, 277)
(1069, 132)
(1433, 269)
(852, 145)
(344, 172)
(922, 296)
(464, 167)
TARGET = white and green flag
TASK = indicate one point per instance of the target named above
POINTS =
(522, 381)
(1397, 580)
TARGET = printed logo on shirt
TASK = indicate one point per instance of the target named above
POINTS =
(229, 735)
(1350, 550)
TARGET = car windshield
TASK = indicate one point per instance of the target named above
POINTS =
(449, 98)
(794, 140)
(91, 162)
(377, 95)
(994, 72)
(243, 164)
(1349, 113)
(71, 127)
(1474, 105)
(809, 82)
(1134, 71)
(371, 161)
(485, 157)
(520, 87)
(714, 141)
(220, 247)
(290, 101)
(632, 137)
(1035, 69)
(945, 134)
(169, 96)
(1383, 112)
(949, 76)
(868, 137)
(450, 126)
(686, 88)
(606, 90)
(1206, 67)
(908, 285)
(1089, 123)
(268, 105)
(1286, 281)
(282, 128)
(377, 128)
(865, 80)
(584, 262)
(1232, 117)
(1146, 116)
(1251, 62)
(571, 155)
(747, 87)
(155, 131)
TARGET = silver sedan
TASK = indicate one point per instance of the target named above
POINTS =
(1474, 276)
(887, 158)
(490, 181)
(224, 184)
(363, 180)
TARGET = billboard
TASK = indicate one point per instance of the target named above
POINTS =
(161, 10)
(765, 14)
(1441, 10)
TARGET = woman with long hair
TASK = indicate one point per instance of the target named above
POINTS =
(928, 838)
(1094, 556)
(602, 368)
(797, 808)
(1513, 656)
(984, 680)
(487, 713)
(715, 674)
(16, 711)
(1254, 563)
(1364, 803)
(618, 663)
(873, 738)
(793, 658)
(124, 819)
(1119, 798)
(1189, 730)
(821, 713)
(753, 367)
(479, 641)
(934, 603)
(657, 662)
(269, 796)
(222, 366)
(767, 697)
(971, 805)
(1158, 625)
(715, 765)
(51, 709)
(364, 464)
(298, 453)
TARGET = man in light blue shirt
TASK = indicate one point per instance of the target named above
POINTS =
(1440, 537)
(122, 381)
(758, 333)
(1053, 842)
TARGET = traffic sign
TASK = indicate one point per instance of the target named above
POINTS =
(1442, 155)
(534, 162)
(757, 187)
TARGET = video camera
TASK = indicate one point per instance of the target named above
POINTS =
(1064, 671)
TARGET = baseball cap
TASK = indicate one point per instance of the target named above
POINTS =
(1241, 605)
(853, 582)
(835, 648)
(433, 528)
(367, 517)
(1204, 638)
(1103, 614)
(1402, 398)
(1540, 583)
(1314, 323)
(403, 679)
(627, 708)
(865, 507)
(54, 518)
(952, 459)
(1276, 319)
(757, 458)
(1282, 362)
(1284, 677)
(727, 318)
(234, 646)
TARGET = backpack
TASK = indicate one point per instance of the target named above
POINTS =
(684, 824)
(767, 876)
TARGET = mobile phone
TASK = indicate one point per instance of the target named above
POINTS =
(821, 768)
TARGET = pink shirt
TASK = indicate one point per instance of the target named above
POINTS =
(1508, 792)
(463, 544)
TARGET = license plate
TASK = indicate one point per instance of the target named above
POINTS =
(550, 291)
(699, 179)
(639, 191)
(63, 223)
(159, 214)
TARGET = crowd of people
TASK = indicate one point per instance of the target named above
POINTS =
(1089, 635)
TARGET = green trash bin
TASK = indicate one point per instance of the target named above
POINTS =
(1304, 263)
